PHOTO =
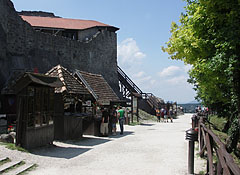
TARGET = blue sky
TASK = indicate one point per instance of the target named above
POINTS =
(144, 28)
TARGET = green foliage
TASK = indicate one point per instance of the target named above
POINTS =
(208, 38)
(12, 146)
(234, 128)
(201, 173)
(219, 122)
(145, 116)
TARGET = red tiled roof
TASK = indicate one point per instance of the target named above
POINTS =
(62, 23)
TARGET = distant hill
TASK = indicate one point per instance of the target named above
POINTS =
(189, 107)
(194, 102)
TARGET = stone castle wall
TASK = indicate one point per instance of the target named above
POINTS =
(21, 47)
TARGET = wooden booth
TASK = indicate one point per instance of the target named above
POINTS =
(8, 103)
(73, 102)
(35, 109)
(105, 97)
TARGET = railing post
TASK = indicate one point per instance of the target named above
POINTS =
(192, 136)
(195, 120)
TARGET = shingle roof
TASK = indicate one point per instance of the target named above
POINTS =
(35, 78)
(100, 86)
(70, 83)
(63, 23)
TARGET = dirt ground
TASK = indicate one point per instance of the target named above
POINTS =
(147, 149)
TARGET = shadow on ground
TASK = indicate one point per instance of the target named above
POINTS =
(126, 133)
(59, 152)
(88, 141)
(71, 152)
(146, 124)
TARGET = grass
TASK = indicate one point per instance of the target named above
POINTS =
(134, 123)
(223, 136)
(12, 146)
(202, 173)
(145, 116)
(236, 159)
(219, 122)
(13, 167)
(29, 169)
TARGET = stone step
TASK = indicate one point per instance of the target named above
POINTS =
(8, 165)
(3, 159)
(20, 169)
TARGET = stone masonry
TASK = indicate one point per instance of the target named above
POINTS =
(23, 48)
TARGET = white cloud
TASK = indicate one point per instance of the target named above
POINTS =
(177, 80)
(139, 55)
(139, 74)
(153, 82)
(130, 59)
(145, 82)
(170, 83)
(169, 71)
(129, 54)
(174, 77)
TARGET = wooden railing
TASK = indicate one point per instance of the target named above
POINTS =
(128, 82)
(211, 145)
(132, 87)
(150, 99)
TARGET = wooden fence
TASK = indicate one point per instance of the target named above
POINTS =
(211, 146)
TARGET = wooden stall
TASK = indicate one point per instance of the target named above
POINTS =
(35, 109)
(104, 94)
(8, 102)
(73, 102)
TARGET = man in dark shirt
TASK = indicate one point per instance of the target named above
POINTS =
(104, 124)
(113, 120)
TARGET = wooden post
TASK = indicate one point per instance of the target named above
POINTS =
(132, 108)
(137, 111)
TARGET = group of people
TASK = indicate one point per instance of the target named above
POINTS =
(202, 110)
(164, 114)
(109, 121)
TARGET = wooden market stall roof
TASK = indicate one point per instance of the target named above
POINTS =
(99, 85)
(70, 83)
(64, 23)
(36, 78)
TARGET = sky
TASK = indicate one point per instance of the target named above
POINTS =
(144, 29)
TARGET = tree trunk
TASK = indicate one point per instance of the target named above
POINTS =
(233, 139)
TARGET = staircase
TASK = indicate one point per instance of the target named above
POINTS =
(148, 102)
(128, 83)
(10, 167)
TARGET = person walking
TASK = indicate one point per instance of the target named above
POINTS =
(104, 124)
(120, 114)
(113, 116)
(166, 114)
(162, 114)
(171, 114)
(158, 115)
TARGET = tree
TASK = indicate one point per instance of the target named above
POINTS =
(208, 38)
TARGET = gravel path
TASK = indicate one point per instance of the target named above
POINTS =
(149, 149)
